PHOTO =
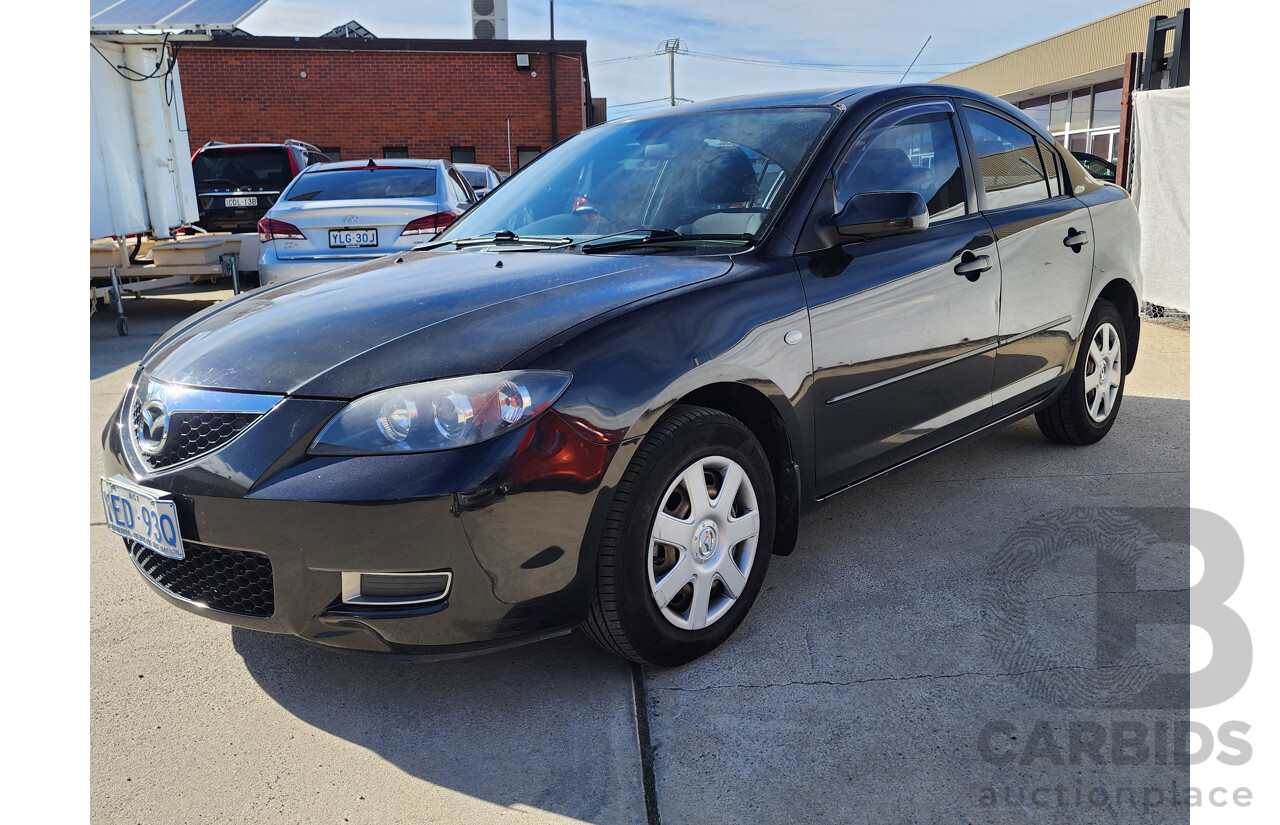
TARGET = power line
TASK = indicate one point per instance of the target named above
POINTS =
(779, 64)
(636, 103)
(858, 68)
(623, 59)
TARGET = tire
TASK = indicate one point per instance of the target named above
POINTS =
(1081, 415)
(635, 568)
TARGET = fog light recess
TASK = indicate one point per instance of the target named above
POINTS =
(391, 589)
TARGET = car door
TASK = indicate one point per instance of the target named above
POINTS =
(1046, 261)
(903, 343)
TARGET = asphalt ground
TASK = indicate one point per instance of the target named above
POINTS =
(959, 642)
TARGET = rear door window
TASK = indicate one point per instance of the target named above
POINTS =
(1008, 162)
(265, 169)
(363, 183)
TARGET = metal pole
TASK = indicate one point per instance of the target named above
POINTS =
(671, 72)
(510, 168)
(553, 19)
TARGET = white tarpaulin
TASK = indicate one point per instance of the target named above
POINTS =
(1162, 189)
(139, 161)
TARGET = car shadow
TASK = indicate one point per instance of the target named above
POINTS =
(549, 725)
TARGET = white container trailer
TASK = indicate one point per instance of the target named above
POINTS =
(139, 157)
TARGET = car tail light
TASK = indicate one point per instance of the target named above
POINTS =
(431, 224)
(270, 230)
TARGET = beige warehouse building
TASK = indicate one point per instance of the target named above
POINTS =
(1072, 82)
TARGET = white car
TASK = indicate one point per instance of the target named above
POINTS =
(336, 214)
(481, 177)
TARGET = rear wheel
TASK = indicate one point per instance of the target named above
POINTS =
(1087, 408)
(687, 542)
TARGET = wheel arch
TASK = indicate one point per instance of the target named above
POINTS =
(761, 415)
(1120, 293)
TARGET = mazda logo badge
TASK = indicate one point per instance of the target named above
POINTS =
(153, 429)
(351, 219)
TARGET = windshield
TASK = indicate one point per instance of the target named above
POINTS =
(365, 183)
(719, 173)
(258, 169)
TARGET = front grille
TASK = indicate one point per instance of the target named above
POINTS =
(232, 581)
(192, 434)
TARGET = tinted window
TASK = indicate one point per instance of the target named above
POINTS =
(463, 154)
(262, 169)
(1007, 160)
(362, 183)
(478, 178)
(905, 153)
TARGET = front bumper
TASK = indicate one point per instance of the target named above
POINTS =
(514, 520)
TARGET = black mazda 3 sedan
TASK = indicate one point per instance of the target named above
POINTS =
(604, 397)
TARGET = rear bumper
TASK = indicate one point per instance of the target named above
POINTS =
(504, 518)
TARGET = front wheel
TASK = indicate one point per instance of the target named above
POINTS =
(1086, 410)
(687, 542)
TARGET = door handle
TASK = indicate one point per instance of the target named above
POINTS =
(1075, 239)
(972, 266)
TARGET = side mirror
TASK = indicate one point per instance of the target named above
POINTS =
(877, 214)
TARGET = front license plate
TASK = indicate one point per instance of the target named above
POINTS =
(142, 515)
(345, 238)
(232, 203)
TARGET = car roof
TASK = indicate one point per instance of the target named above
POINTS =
(397, 163)
(474, 167)
(216, 146)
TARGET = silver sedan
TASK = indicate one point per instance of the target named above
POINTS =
(336, 214)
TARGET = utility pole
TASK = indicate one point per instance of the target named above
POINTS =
(673, 47)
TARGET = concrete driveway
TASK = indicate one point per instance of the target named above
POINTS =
(943, 646)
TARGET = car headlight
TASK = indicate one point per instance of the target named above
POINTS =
(440, 415)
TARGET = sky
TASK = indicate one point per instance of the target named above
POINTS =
(876, 40)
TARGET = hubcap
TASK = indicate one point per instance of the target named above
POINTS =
(1102, 373)
(703, 542)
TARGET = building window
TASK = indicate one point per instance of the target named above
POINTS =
(463, 154)
(1084, 120)
(395, 151)
(333, 152)
(524, 154)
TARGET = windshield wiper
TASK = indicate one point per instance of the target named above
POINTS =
(654, 237)
(506, 236)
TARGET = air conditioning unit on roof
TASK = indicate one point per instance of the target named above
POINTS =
(489, 19)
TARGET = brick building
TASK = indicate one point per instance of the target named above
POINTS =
(360, 98)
